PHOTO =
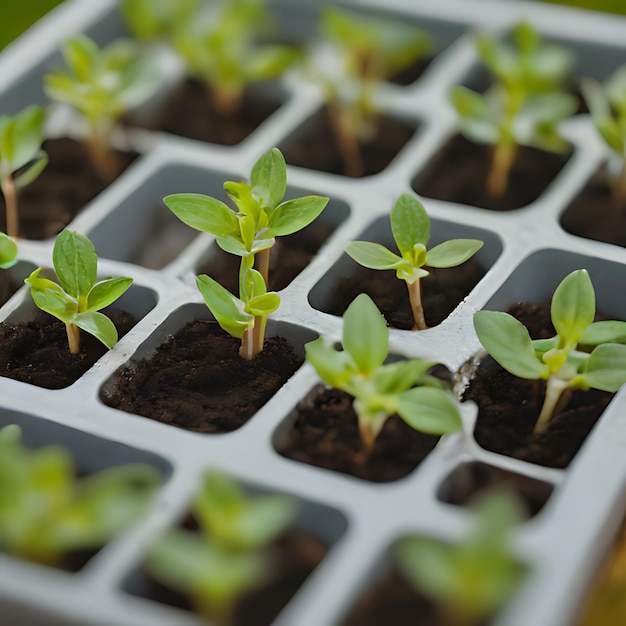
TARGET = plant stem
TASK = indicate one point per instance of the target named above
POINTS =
(498, 179)
(253, 339)
(415, 297)
(10, 202)
(73, 338)
(262, 264)
(227, 102)
(101, 154)
(348, 140)
(554, 388)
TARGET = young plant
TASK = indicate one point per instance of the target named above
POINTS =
(248, 233)
(221, 51)
(47, 512)
(469, 582)
(370, 50)
(8, 252)
(410, 226)
(608, 110)
(524, 105)
(102, 85)
(561, 360)
(21, 158)
(232, 553)
(154, 19)
(79, 295)
(381, 390)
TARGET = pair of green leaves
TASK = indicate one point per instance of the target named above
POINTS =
(231, 554)
(46, 512)
(381, 390)
(78, 296)
(8, 252)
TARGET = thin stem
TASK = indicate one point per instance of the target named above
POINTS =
(498, 179)
(253, 339)
(102, 155)
(554, 389)
(415, 297)
(227, 102)
(262, 264)
(10, 202)
(73, 338)
(348, 140)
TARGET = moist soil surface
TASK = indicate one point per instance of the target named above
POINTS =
(458, 173)
(37, 352)
(442, 291)
(509, 406)
(298, 555)
(189, 112)
(325, 434)
(593, 215)
(289, 256)
(196, 380)
(314, 145)
(66, 185)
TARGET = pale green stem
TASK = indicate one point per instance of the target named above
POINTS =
(415, 297)
(262, 264)
(554, 388)
(10, 202)
(227, 102)
(101, 153)
(347, 138)
(73, 338)
(503, 158)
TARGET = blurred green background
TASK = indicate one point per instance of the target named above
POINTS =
(17, 15)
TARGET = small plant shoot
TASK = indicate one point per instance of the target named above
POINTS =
(525, 104)
(47, 512)
(410, 226)
(148, 20)
(21, 158)
(221, 51)
(562, 361)
(79, 295)
(381, 390)
(102, 85)
(8, 252)
(370, 50)
(250, 233)
(469, 582)
(230, 555)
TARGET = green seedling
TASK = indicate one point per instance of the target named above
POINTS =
(381, 390)
(148, 20)
(102, 85)
(79, 295)
(232, 553)
(607, 106)
(47, 512)
(562, 360)
(370, 50)
(524, 105)
(8, 252)
(221, 51)
(469, 582)
(21, 158)
(249, 233)
(410, 226)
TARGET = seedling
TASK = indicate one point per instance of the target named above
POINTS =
(221, 51)
(47, 512)
(102, 85)
(371, 50)
(410, 226)
(469, 582)
(248, 233)
(524, 105)
(154, 19)
(21, 158)
(78, 296)
(232, 553)
(381, 390)
(8, 252)
(559, 360)
(608, 111)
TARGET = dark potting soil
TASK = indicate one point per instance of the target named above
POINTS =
(314, 145)
(189, 112)
(592, 214)
(289, 256)
(442, 291)
(325, 433)
(471, 479)
(509, 406)
(298, 554)
(196, 380)
(458, 173)
(66, 185)
(37, 351)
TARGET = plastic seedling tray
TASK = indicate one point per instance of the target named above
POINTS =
(526, 254)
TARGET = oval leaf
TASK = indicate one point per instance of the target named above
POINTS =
(294, 215)
(50, 297)
(573, 306)
(8, 252)
(604, 332)
(75, 263)
(453, 252)
(375, 256)
(226, 308)
(106, 292)
(606, 367)
(268, 178)
(332, 366)
(429, 410)
(410, 223)
(203, 213)
(98, 325)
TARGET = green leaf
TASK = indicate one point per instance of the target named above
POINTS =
(469, 103)
(573, 306)
(374, 256)
(606, 367)
(263, 519)
(409, 223)
(226, 308)
(8, 252)
(395, 378)
(98, 325)
(263, 305)
(508, 342)
(268, 178)
(31, 173)
(80, 54)
(604, 332)
(612, 135)
(27, 136)
(429, 410)
(107, 291)
(241, 194)
(204, 213)
(333, 367)
(365, 334)
(293, 215)
(453, 252)
(50, 297)
(75, 263)
(526, 37)
(269, 61)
